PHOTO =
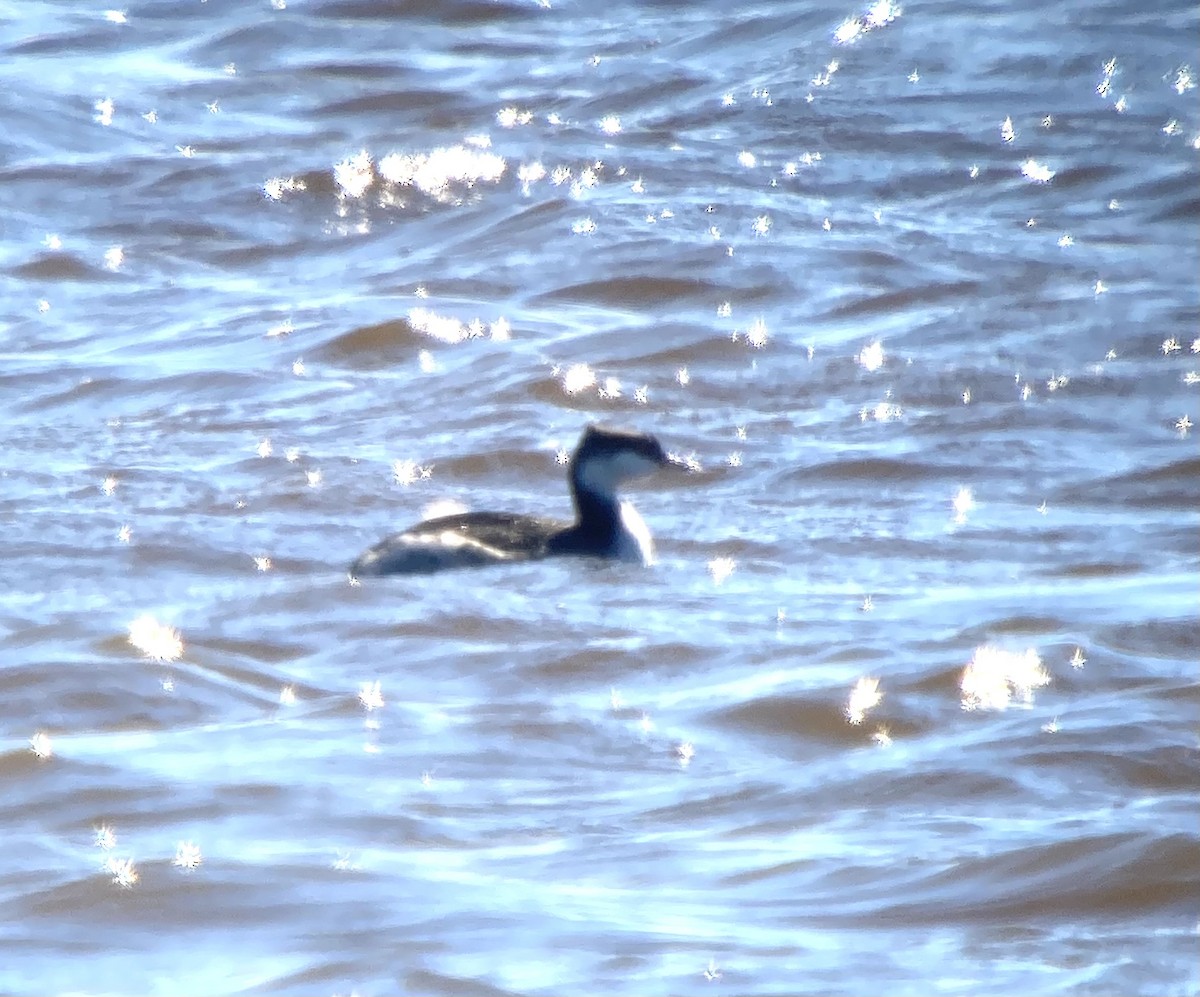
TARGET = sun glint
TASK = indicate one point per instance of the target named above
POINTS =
(994, 678)
(865, 696)
(155, 640)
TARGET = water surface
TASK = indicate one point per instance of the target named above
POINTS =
(908, 704)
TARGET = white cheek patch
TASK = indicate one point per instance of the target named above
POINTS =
(599, 477)
(603, 475)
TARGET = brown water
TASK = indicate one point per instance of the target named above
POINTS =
(916, 298)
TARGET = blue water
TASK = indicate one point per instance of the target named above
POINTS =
(912, 290)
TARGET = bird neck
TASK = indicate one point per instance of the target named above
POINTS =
(596, 513)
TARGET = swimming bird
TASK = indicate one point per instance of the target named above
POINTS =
(604, 527)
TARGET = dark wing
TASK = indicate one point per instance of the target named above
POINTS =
(470, 539)
(508, 532)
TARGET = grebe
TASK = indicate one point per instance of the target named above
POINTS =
(604, 527)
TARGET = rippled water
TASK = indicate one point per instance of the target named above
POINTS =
(908, 704)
